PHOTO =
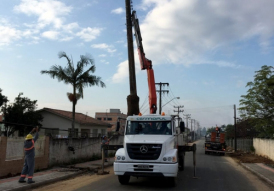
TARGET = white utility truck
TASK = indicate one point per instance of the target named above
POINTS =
(152, 147)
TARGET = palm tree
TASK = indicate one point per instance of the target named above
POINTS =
(77, 77)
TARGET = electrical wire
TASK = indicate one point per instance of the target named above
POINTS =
(144, 101)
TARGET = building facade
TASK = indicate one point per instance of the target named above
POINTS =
(58, 123)
(112, 117)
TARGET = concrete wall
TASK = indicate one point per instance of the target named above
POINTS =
(264, 147)
(84, 149)
(12, 167)
(15, 147)
(49, 152)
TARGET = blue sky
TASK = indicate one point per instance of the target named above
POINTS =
(206, 50)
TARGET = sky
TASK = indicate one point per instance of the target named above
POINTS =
(206, 50)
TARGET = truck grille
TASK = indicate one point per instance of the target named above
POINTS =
(144, 151)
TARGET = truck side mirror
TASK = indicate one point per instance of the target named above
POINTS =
(117, 126)
(182, 126)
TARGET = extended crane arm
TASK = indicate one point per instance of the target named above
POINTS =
(146, 64)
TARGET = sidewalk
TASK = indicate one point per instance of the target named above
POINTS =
(261, 170)
(53, 175)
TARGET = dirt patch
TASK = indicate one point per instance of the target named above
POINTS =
(249, 158)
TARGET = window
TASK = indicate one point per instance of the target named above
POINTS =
(52, 132)
(94, 132)
(149, 127)
(99, 118)
(75, 132)
(109, 119)
(103, 132)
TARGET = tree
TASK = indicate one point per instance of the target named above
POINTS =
(21, 116)
(3, 99)
(230, 131)
(258, 105)
(77, 77)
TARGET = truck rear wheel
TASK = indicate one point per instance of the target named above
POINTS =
(123, 179)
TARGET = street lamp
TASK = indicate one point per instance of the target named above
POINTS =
(170, 101)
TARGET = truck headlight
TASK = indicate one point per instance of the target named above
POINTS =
(170, 159)
(118, 158)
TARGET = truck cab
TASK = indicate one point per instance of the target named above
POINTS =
(149, 148)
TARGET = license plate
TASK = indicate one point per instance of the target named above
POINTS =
(143, 167)
(207, 145)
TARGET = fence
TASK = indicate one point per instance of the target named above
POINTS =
(243, 144)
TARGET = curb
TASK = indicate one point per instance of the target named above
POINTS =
(51, 181)
(258, 174)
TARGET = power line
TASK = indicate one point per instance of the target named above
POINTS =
(144, 101)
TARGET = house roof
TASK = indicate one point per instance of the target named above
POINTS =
(79, 117)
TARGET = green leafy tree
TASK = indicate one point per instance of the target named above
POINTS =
(77, 76)
(230, 131)
(3, 99)
(21, 116)
(257, 105)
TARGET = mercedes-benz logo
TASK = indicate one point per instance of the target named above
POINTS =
(143, 149)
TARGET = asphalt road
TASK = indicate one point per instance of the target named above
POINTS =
(213, 173)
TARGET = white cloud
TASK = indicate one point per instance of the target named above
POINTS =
(102, 55)
(52, 35)
(118, 10)
(122, 72)
(183, 32)
(65, 39)
(89, 34)
(8, 34)
(70, 27)
(108, 48)
(47, 11)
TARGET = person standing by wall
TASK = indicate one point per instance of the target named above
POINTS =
(105, 141)
(28, 168)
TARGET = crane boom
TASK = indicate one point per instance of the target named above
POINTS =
(146, 64)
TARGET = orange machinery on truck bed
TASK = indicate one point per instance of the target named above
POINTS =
(215, 143)
(146, 64)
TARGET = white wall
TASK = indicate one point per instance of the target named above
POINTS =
(264, 147)
(84, 149)
(15, 148)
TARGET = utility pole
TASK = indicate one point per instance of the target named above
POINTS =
(132, 99)
(194, 130)
(191, 130)
(160, 92)
(235, 138)
(187, 117)
(178, 107)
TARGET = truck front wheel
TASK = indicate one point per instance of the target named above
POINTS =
(171, 181)
(123, 179)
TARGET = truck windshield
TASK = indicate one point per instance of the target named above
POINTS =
(149, 127)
